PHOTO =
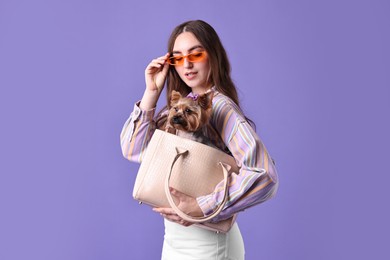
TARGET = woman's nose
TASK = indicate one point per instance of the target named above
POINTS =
(187, 63)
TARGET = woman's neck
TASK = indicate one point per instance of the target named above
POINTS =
(201, 90)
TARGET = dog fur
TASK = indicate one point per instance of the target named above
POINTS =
(189, 116)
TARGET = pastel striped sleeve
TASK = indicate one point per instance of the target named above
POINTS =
(136, 133)
(257, 179)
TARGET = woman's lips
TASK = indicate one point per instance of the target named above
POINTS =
(190, 75)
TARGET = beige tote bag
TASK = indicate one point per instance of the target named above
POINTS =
(188, 166)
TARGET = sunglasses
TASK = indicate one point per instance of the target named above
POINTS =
(192, 57)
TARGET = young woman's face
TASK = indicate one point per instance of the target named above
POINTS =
(194, 74)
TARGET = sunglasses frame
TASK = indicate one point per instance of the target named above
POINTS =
(188, 57)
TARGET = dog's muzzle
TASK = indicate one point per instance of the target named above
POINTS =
(178, 120)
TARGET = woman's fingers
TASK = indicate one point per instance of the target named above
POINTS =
(158, 62)
(168, 211)
(155, 64)
(170, 214)
(156, 72)
(164, 57)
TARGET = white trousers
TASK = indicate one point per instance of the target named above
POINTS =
(194, 243)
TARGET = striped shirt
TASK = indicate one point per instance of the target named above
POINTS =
(257, 179)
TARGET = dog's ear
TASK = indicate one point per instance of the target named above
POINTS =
(175, 96)
(205, 100)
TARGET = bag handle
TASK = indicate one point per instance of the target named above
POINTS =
(225, 169)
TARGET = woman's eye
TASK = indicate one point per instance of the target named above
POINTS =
(177, 59)
(197, 54)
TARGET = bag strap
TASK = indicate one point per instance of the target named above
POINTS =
(225, 170)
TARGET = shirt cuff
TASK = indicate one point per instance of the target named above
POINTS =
(207, 204)
(143, 115)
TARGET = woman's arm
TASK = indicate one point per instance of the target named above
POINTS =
(257, 179)
(139, 127)
(136, 133)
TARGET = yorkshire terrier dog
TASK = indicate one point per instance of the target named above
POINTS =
(189, 116)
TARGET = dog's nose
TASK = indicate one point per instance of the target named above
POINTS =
(176, 119)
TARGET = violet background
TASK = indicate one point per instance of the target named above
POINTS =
(313, 75)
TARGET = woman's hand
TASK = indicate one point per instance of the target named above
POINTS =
(156, 73)
(170, 214)
(185, 203)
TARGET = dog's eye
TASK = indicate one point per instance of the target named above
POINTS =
(176, 109)
(188, 111)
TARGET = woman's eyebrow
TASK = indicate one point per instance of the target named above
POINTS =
(189, 50)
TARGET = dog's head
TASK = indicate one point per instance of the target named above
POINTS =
(189, 113)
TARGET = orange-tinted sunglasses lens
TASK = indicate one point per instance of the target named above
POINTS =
(192, 57)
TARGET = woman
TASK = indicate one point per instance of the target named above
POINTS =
(196, 62)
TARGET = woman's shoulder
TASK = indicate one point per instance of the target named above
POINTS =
(224, 106)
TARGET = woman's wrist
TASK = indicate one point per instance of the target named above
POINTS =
(149, 99)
